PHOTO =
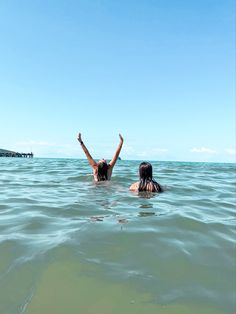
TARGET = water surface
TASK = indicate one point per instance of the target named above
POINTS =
(70, 245)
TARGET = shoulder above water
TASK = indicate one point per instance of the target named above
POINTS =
(152, 186)
(134, 186)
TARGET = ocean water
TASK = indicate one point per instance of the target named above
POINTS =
(68, 245)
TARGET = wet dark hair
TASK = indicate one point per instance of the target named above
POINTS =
(102, 171)
(146, 183)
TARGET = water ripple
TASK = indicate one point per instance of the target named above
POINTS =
(178, 245)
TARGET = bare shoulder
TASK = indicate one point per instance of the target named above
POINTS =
(134, 186)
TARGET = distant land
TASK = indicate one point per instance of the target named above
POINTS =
(9, 153)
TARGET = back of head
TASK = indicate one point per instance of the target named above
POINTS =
(145, 171)
(146, 183)
(102, 170)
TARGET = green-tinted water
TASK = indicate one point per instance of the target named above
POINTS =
(69, 245)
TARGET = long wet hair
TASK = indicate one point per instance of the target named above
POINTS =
(146, 183)
(102, 171)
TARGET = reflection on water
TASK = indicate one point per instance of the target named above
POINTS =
(146, 205)
(146, 194)
(145, 214)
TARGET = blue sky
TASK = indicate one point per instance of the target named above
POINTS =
(160, 72)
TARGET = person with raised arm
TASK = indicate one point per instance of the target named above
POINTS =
(102, 170)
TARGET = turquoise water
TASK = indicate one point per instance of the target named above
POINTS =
(68, 245)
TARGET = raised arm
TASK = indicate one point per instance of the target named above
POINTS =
(117, 153)
(91, 161)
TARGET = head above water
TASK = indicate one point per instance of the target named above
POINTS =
(102, 170)
(145, 171)
(146, 182)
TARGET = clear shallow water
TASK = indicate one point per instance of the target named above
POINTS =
(69, 245)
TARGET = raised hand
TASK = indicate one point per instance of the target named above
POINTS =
(121, 138)
(79, 138)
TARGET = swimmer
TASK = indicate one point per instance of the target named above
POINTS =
(102, 170)
(146, 183)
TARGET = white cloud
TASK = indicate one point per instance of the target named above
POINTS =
(152, 153)
(128, 150)
(231, 151)
(203, 150)
(37, 143)
(160, 150)
(47, 148)
(142, 154)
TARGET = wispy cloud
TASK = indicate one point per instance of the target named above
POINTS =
(47, 148)
(152, 153)
(128, 150)
(159, 150)
(203, 150)
(231, 151)
(142, 154)
(37, 143)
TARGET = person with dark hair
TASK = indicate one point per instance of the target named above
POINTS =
(102, 170)
(146, 182)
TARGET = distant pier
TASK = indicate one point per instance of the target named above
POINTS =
(8, 153)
